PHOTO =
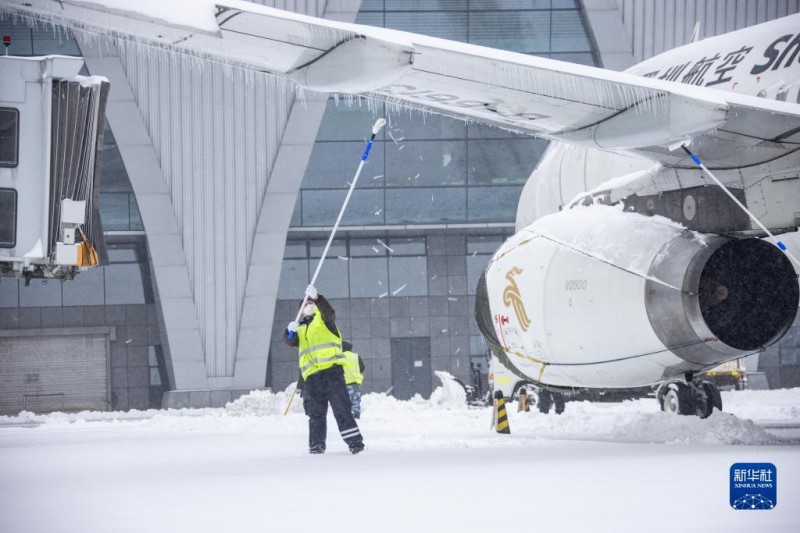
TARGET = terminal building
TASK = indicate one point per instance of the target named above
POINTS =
(220, 186)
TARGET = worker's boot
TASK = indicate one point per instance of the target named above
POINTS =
(356, 448)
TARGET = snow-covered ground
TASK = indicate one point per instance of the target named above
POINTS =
(429, 466)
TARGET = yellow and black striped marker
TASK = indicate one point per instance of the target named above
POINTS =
(501, 417)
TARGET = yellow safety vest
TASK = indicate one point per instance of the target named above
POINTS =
(319, 348)
(352, 370)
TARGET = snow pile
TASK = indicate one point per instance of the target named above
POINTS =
(265, 403)
(451, 394)
(642, 427)
(445, 421)
(763, 405)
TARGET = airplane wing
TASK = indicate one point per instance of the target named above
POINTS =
(562, 101)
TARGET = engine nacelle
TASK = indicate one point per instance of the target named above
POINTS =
(596, 297)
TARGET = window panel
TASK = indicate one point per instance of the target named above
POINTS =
(338, 247)
(332, 279)
(294, 279)
(493, 204)
(113, 176)
(408, 276)
(297, 219)
(372, 5)
(121, 255)
(296, 250)
(477, 5)
(434, 205)
(484, 244)
(367, 248)
(152, 359)
(54, 40)
(136, 223)
(8, 218)
(569, 34)
(503, 162)
(369, 277)
(40, 293)
(123, 284)
(86, 289)
(421, 5)
(115, 211)
(333, 165)
(517, 31)
(369, 19)
(447, 25)
(426, 163)
(478, 347)
(407, 245)
(321, 208)
(349, 120)
(21, 37)
(9, 137)
(475, 266)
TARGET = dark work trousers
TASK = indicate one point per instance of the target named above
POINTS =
(323, 387)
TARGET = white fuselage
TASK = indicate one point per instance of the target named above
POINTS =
(572, 294)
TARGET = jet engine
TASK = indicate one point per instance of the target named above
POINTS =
(598, 297)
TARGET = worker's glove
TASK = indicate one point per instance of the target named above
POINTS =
(311, 292)
(293, 325)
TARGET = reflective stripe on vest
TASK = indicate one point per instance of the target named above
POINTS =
(352, 370)
(319, 349)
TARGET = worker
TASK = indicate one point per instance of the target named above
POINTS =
(321, 366)
(353, 377)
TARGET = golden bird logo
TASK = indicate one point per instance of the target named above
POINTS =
(512, 298)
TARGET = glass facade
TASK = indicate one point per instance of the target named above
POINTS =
(436, 199)
(119, 295)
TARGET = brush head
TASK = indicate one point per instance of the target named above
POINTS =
(378, 125)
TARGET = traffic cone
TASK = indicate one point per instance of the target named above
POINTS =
(502, 417)
(523, 404)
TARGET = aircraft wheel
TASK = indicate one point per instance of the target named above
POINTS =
(559, 402)
(713, 397)
(545, 401)
(678, 399)
(531, 390)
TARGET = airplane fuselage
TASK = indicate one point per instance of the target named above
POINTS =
(605, 297)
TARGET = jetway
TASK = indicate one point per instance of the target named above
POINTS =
(51, 128)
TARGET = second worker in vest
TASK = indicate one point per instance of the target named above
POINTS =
(321, 364)
(353, 377)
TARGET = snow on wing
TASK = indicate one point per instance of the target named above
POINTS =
(578, 104)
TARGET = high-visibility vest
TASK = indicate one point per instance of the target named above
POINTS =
(352, 370)
(319, 348)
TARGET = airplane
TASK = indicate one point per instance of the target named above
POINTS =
(640, 256)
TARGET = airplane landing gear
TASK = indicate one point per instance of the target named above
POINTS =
(543, 399)
(689, 398)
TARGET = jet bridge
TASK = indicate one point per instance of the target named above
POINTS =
(51, 128)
